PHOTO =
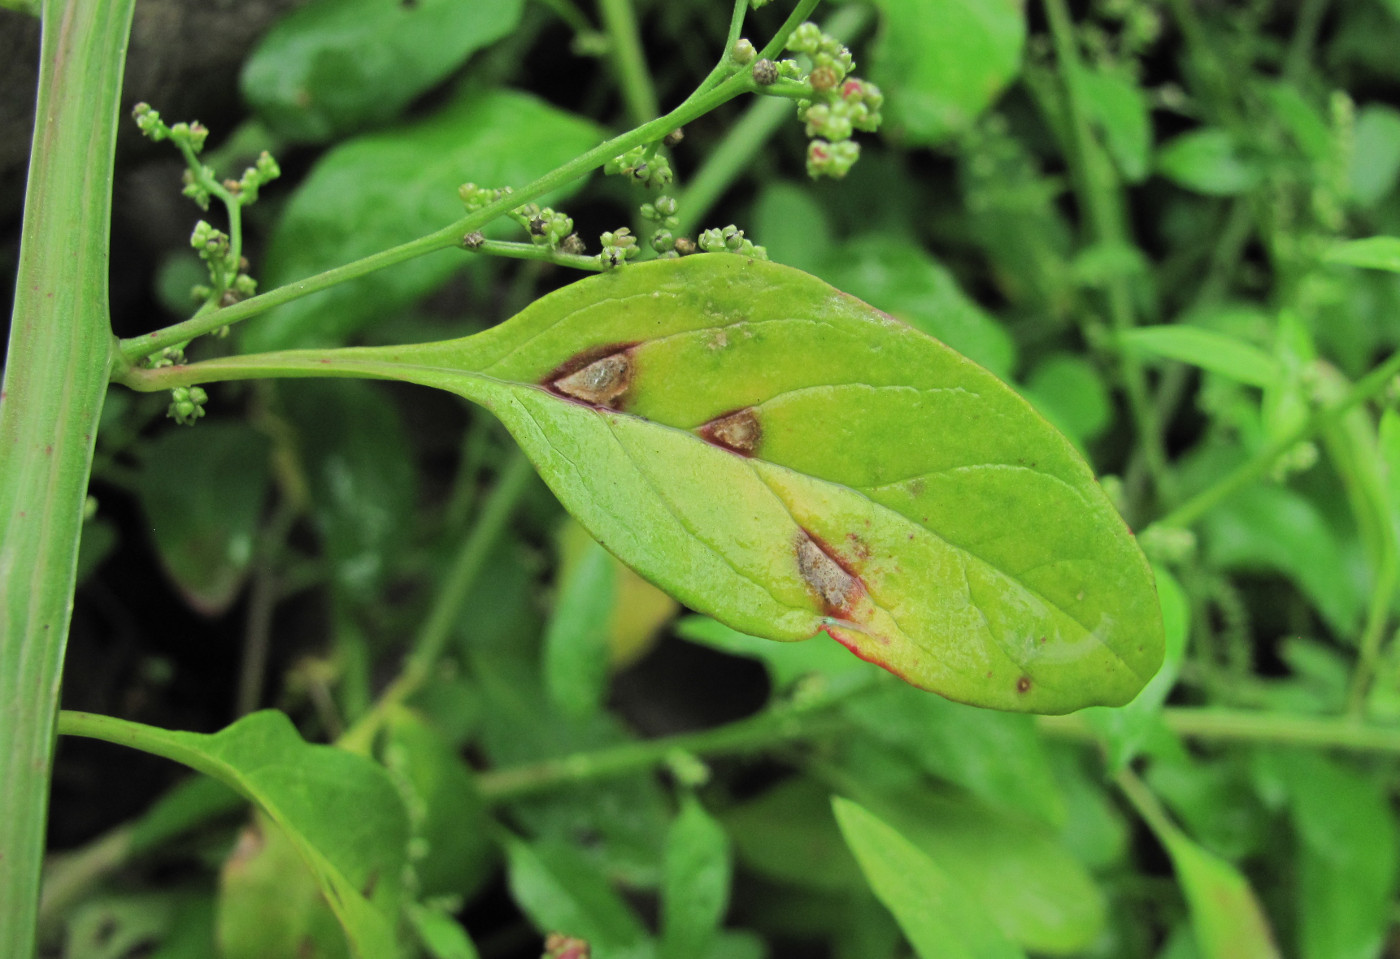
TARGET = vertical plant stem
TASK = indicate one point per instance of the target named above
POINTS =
(1100, 197)
(625, 43)
(60, 351)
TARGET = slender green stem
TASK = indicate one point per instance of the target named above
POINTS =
(802, 720)
(432, 638)
(569, 12)
(59, 357)
(1235, 726)
(1377, 619)
(625, 46)
(530, 251)
(1261, 462)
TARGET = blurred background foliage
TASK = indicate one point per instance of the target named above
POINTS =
(1130, 211)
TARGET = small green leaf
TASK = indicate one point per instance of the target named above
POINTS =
(1347, 867)
(790, 461)
(944, 61)
(376, 191)
(441, 935)
(576, 654)
(1375, 158)
(1208, 349)
(339, 811)
(938, 917)
(695, 885)
(1069, 391)
(1372, 253)
(562, 892)
(333, 66)
(1118, 106)
(1207, 161)
(202, 491)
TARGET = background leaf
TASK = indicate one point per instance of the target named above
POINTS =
(387, 188)
(939, 919)
(331, 67)
(948, 59)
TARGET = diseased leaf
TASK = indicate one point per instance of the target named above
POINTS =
(791, 461)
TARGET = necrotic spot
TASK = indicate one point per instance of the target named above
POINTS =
(837, 588)
(601, 382)
(738, 431)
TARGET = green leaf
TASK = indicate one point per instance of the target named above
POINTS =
(937, 915)
(784, 458)
(576, 652)
(1375, 157)
(1069, 392)
(943, 62)
(334, 66)
(202, 491)
(355, 452)
(1040, 896)
(792, 226)
(1277, 529)
(441, 935)
(786, 835)
(270, 904)
(561, 892)
(1372, 253)
(387, 188)
(1208, 349)
(338, 810)
(1207, 161)
(996, 757)
(695, 886)
(450, 820)
(1227, 918)
(1118, 106)
(1347, 866)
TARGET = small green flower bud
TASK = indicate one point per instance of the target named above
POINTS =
(765, 73)
(666, 205)
(824, 79)
(663, 241)
(744, 52)
(790, 69)
(807, 38)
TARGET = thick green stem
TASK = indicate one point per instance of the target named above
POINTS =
(60, 353)
(1236, 726)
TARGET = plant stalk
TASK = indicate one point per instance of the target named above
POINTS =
(59, 356)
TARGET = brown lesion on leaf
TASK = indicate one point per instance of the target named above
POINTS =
(834, 583)
(599, 377)
(1023, 685)
(739, 431)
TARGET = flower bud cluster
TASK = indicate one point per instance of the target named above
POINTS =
(619, 246)
(187, 404)
(840, 103)
(730, 240)
(643, 164)
(547, 227)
